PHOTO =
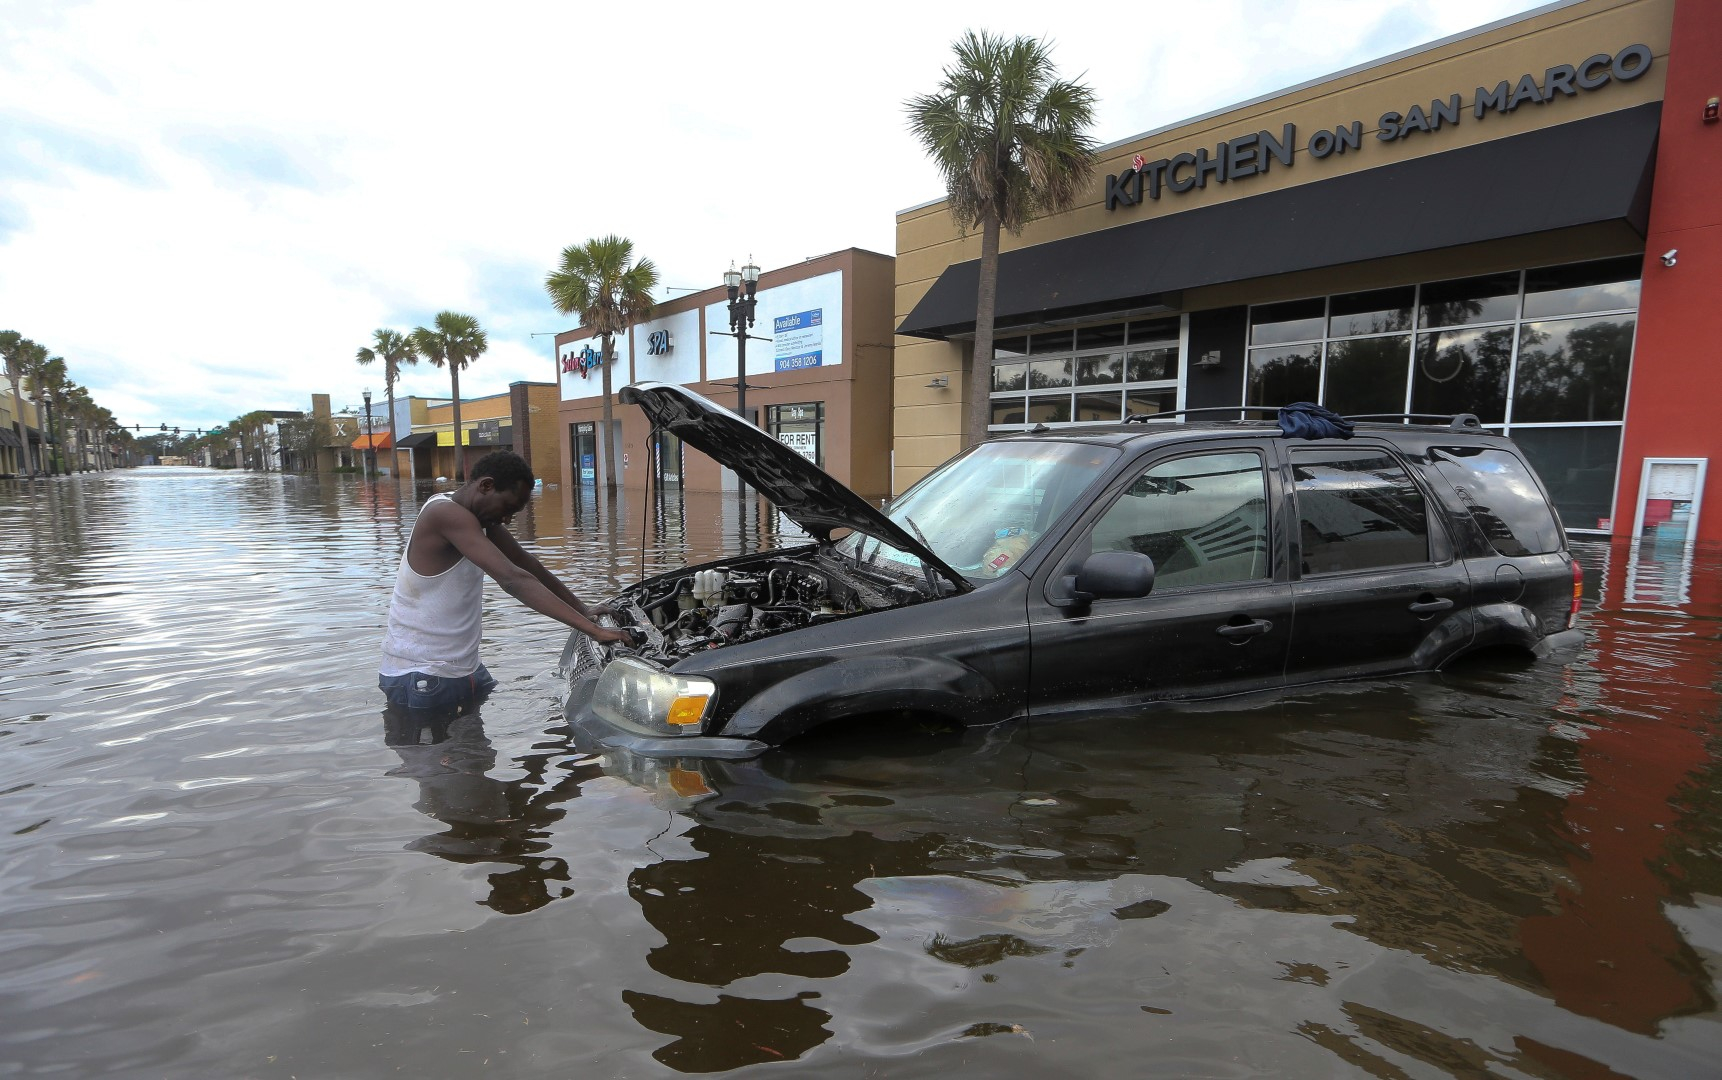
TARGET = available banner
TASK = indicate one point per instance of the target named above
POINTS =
(797, 339)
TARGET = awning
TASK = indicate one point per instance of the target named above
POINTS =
(1583, 173)
(383, 442)
(7, 438)
(417, 439)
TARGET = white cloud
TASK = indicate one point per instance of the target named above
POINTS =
(214, 205)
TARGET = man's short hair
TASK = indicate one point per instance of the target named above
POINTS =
(507, 469)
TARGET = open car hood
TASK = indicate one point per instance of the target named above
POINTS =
(808, 495)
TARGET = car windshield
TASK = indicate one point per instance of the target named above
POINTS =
(982, 512)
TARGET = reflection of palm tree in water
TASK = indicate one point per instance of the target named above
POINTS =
(489, 820)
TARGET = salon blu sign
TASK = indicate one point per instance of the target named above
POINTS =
(1256, 153)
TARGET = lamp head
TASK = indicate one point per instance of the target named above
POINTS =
(732, 279)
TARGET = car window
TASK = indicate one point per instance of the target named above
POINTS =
(982, 512)
(1503, 498)
(1202, 519)
(1358, 509)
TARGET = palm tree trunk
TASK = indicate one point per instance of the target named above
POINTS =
(612, 453)
(459, 451)
(977, 388)
(389, 389)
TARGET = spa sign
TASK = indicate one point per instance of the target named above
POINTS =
(1248, 155)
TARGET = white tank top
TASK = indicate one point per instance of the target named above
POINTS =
(434, 621)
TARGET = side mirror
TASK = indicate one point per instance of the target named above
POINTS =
(1106, 575)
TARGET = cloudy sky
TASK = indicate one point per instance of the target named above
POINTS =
(206, 208)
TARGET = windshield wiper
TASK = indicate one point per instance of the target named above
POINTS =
(926, 571)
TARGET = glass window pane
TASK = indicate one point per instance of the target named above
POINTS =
(1574, 369)
(1203, 520)
(1010, 377)
(1463, 371)
(1503, 499)
(1150, 402)
(1094, 408)
(1494, 298)
(1357, 510)
(1577, 466)
(1380, 312)
(1049, 341)
(1048, 373)
(1008, 348)
(1154, 332)
(1049, 410)
(1299, 320)
(1284, 375)
(1609, 285)
(1099, 337)
(1008, 411)
(1095, 370)
(1367, 375)
(1147, 365)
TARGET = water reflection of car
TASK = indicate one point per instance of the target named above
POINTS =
(1084, 569)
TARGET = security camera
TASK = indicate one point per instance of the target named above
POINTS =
(1668, 257)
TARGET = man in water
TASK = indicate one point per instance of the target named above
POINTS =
(430, 654)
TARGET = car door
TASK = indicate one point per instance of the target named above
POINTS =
(1378, 588)
(1218, 618)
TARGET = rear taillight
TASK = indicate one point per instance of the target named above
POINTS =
(1578, 594)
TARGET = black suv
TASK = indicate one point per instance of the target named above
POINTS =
(1098, 568)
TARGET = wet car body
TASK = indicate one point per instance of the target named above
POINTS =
(1099, 569)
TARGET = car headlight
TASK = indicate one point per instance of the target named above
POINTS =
(635, 695)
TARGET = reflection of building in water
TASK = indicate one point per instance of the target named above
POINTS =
(489, 820)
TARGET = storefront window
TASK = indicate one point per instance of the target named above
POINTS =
(1611, 285)
(1494, 298)
(1367, 375)
(1096, 374)
(1283, 375)
(1543, 354)
(1573, 369)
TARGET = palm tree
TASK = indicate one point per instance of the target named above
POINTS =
(456, 341)
(1010, 139)
(600, 282)
(393, 349)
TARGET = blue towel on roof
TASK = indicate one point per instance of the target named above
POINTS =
(1307, 420)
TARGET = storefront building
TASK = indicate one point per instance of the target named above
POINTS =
(1517, 222)
(818, 377)
(518, 420)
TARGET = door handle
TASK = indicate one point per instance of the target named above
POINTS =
(1240, 631)
(1432, 604)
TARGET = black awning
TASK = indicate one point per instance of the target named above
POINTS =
(7, 438)
(417, 439)
(1582, 173)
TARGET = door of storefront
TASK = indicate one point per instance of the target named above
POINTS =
(585, 442)
(669, 463)
(800, 427)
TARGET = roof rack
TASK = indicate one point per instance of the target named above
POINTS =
(1456, 421)
(1143, 418)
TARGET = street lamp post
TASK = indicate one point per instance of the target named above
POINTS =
(370, 439)
(741, 309)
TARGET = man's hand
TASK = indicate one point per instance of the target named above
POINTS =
(629, 636)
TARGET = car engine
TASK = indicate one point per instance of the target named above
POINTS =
(709, 608)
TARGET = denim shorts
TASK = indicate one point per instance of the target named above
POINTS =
(441, 693)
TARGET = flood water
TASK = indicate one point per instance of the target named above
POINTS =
(217, 861)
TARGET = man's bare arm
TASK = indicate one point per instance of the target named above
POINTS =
(463, 531)
(524, 559)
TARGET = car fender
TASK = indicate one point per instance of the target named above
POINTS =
(1506, 624)
(849, 688)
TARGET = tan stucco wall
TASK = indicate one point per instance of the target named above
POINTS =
(928, 241)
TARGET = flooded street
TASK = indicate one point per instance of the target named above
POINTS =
(217, 860)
